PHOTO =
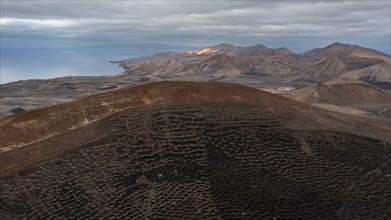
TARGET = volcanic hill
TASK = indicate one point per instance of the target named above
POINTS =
(193, 150)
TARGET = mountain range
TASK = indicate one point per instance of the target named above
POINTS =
(255, 66)
(265, 65)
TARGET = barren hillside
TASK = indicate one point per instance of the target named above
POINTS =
(193, 150)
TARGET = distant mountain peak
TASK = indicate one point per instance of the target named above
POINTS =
(346, 50)
(284, 50)
(342, 45)
(220, 48)
(338, 44)
(260, 46)
(206, 50)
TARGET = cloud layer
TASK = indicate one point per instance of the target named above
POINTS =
(195, 22)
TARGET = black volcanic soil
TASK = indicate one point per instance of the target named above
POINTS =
(176, 150)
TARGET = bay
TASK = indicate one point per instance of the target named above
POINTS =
(45, 63)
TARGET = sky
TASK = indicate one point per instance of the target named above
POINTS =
(45, 39)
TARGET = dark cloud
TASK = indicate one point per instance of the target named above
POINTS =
(263, 18)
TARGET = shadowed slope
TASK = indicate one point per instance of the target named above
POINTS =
(185, 150)
(378, 75)
(350, 93)
(335, 66)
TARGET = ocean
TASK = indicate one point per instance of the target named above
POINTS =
(44, 63)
